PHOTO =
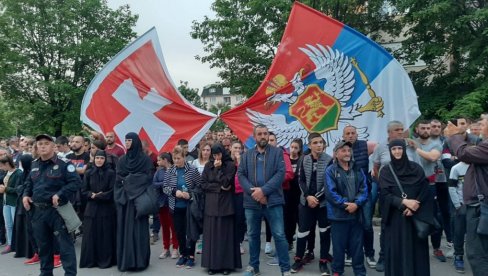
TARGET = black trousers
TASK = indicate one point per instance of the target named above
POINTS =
(307, 217)
(186, 248)
(48, 227)
(476, 245)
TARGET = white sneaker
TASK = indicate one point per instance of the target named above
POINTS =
(165, 254)
(199, 248)
(175, 254)
(348, 261)
(267, 248)
(449, 253)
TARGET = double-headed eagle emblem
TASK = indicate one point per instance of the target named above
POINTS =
(320, 101)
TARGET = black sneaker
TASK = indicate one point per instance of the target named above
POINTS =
(324, 268)
(297, 265)
(380, 265)
(309, 256)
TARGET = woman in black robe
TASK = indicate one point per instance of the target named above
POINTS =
(98, 245)
(133, 249)
(221, 250)
(23, 242)
(405, 253)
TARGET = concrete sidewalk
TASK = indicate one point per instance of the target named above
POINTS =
(10, 266)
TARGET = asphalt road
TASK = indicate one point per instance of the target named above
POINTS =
(10, 266)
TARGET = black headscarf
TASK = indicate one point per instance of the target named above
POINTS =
(218, 148)
(408, 172)
(135, 160)
(26, 162)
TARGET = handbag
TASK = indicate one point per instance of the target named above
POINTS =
(147, 202)
(71, 219)
(482, 228)
(422, 228)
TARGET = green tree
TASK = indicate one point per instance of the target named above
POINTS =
(220, 108)
(49, 53)
(452, 38)
(243, 37)
(191, 94)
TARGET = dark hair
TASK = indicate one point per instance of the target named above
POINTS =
(166, 156)
(258, 126)
(300, 144)
(314, 135)
(7, 159)
(423, 122)
(271, 133)
(182, 142)
(99, 144)
(62, 140)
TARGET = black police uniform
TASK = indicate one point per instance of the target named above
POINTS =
(47, 178)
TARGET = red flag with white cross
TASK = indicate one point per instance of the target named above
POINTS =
(134, 93)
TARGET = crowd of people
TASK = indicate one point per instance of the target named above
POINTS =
(424, 184)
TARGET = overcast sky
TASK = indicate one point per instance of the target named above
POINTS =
(173, 20)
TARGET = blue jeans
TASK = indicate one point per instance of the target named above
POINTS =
(9, 216)
(274, 215)
(347, 235)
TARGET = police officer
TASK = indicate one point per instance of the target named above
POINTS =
(51, 182)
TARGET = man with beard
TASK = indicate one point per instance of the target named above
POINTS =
(261, 173)
(441, 185)
(80, 159)
(112, 147)
(429, 152)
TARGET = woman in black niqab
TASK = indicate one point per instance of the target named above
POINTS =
(405, 253)
(133, 251)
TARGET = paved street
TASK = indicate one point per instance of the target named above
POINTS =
(10, 266)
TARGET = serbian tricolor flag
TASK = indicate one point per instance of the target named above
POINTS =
(134, 93)
(326, 76)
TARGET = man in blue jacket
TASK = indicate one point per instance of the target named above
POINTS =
(261, 173)
(346, 191)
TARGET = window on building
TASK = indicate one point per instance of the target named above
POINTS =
(212, 90)
(227, 100)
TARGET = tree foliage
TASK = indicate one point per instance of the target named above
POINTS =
(243, 37)
(49, 53)
(220, 108)
(452, 38)
(191, 94)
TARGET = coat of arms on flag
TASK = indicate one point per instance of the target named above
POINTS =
(324, 77)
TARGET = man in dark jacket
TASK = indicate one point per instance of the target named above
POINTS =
(312, 207)
(261, 173)
(475, 188)
(346, 191)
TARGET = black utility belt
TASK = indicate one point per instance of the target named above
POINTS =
(41, 205)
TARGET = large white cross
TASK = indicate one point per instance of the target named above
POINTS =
(142, 114)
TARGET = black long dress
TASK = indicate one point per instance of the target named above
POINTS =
(22, 240)
(405, 253)
(221, 246)
(133, 248)
(98, 247)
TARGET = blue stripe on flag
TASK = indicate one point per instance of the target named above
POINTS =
(371, 57)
